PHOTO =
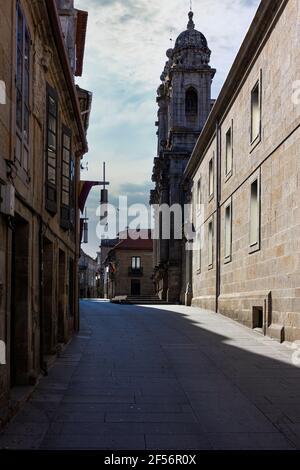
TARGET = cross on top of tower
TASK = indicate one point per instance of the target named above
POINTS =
(191, 24)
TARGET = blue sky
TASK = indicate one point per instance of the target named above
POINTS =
(124, 57)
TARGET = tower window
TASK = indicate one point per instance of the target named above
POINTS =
(191, 102)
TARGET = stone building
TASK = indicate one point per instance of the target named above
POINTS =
(104, 248)
(184, 100)
(89, 276)
(42, 140)
(129, 268)
(245, 173)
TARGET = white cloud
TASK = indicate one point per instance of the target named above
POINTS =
(128, 39)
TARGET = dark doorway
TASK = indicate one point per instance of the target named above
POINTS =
(71, 290)
(19, 335)
(135, 287)
(48, 346)
(62, 298)
(258, 318)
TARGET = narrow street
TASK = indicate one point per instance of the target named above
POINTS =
(162, 378)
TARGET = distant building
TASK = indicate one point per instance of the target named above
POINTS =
(129, 268)
(104, 248)
(89, 276)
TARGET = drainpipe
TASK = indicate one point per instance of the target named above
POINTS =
(218, 216)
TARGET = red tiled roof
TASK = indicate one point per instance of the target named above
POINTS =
(82, 17)
(129, 243)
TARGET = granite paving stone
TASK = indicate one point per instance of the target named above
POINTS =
(162, 378)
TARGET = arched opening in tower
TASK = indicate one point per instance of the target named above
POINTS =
(191, 102)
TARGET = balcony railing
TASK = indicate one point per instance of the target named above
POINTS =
(138, 272)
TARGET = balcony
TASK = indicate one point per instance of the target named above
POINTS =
(135, 272)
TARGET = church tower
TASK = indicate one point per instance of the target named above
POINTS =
(184, 102)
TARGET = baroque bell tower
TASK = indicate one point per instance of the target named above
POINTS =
(184, 102)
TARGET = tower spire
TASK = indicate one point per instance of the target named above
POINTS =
(191, 24)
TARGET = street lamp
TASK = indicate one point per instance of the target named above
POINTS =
(97, 277)
(85, 228)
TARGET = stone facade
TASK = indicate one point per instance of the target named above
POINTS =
(256, 281)
(42, 139)
(184, 100)
(129, 269)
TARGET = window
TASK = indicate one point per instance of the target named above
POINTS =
(228, 233)
(229, 153)
(255, 216)
(199, 193)
(22, 90)
(211, 178)
(191, 102)
(255, 113)
(51, 150)
(199, 254)
(172, 228)
(160, 226)
(136, 262)
(66, 177)
(72, 193)
(210, 245)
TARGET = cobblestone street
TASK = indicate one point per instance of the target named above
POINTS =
(162, 378)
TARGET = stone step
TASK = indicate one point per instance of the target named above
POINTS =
(145, 300)
(140, 300)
